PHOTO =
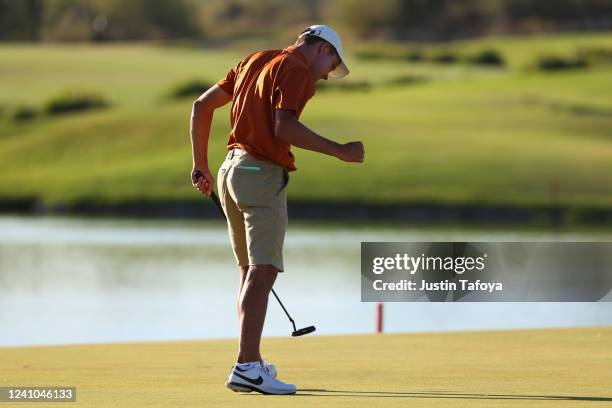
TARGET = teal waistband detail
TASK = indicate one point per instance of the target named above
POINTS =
(249, 168)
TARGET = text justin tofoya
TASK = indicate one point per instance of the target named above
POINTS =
(445, 285)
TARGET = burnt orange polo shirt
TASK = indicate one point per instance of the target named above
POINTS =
(260, 84)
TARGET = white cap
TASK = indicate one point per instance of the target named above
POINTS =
(332, 37)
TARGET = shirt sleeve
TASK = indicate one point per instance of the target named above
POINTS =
(292, 90)
(227, 83)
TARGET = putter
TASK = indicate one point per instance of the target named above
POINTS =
(296, 333)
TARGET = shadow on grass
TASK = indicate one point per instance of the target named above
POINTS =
(444, 394)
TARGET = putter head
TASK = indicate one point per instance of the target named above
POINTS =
(302, 332)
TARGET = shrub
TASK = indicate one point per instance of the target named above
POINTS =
(595, 55)
(191, 88)
(390, 55)
(370, 55)
(406, 80)
(445, 57)
(415, 56)
(24, 113)
(74, 102)
(359, 86)
(487, 57)
(558, 63)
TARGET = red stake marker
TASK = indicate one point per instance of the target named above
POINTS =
(379, 318)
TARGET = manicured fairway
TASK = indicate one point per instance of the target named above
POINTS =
(527, 368)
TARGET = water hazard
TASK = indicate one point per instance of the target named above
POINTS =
(67, 280)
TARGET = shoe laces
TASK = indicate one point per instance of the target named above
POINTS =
(265, 366)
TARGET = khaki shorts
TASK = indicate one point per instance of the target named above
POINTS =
(253, 194)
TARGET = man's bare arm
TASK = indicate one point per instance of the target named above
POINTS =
(289, 129)
(201, 120)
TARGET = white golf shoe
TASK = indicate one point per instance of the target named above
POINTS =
(258, 378)
(270, 368)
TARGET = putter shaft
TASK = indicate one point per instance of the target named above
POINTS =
(197, 174)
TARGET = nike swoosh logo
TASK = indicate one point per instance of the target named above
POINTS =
(256, 381)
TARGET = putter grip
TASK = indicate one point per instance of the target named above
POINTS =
(197, 174)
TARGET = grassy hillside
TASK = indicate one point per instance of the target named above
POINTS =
(543, 368)
(465, 135)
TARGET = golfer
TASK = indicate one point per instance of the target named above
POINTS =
(268, 91)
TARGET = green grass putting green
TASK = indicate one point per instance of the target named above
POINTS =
(468, 135)
(518, 368)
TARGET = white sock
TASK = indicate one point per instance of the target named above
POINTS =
(247, 366)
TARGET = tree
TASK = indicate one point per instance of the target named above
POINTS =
(20, 20)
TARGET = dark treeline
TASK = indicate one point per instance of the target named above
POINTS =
(97, 20)
(431, 20)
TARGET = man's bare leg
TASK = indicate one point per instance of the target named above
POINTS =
(244, 270)
(252, 306)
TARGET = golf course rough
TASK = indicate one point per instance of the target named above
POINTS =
(516, 368)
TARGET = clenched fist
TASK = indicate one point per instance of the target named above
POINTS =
(352, 152)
